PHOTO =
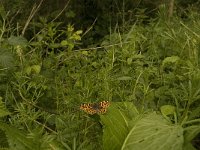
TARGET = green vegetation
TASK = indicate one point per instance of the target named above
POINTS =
(146, 66)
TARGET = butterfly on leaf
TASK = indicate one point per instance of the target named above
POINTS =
(95, 108)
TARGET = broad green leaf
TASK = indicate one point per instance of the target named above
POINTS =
(116, 123)
(153, 132)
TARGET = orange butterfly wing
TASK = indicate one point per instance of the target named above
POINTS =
(95, 108)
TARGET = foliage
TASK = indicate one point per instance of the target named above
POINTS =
(148, 72)
(150, 131)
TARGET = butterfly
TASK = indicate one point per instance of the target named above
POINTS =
(95, 108)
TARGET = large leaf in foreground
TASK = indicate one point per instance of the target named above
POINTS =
(124, 129)
(116, 123)
(153, 132)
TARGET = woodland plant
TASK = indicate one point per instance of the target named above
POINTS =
(149, 75)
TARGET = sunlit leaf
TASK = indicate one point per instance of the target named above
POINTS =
(167, 110)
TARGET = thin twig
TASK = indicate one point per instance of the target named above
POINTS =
(33, 12)
(45, 126)
(89, 27)
(61, 11)
(53, 19)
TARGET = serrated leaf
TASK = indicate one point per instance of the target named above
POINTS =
(3, 110)
(6, 58)
(17, 139)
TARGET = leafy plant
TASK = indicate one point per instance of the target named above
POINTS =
(139, 131)
(149, 73)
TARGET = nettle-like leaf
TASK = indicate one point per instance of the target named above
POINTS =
(6, 58)
(136, 132)
(17, 139)
(3, 110)
(20, 140)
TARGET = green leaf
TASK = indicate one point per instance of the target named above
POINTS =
(54, 45)
(116, 124)
(2, 12)
(6, 58)
(191, 132)
(64, 43)
(194, 113)
(79, 32)
(85, 53)
(36, 69)
(17, 40)
(124, 78)
(3, 110)
(130, 131)
(172, 59)
(17, 139)
(28, 70)
(167, 110)
(70, 14)
(129, 61)
(153, 132)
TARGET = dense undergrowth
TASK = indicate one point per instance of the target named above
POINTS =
(150, 75)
